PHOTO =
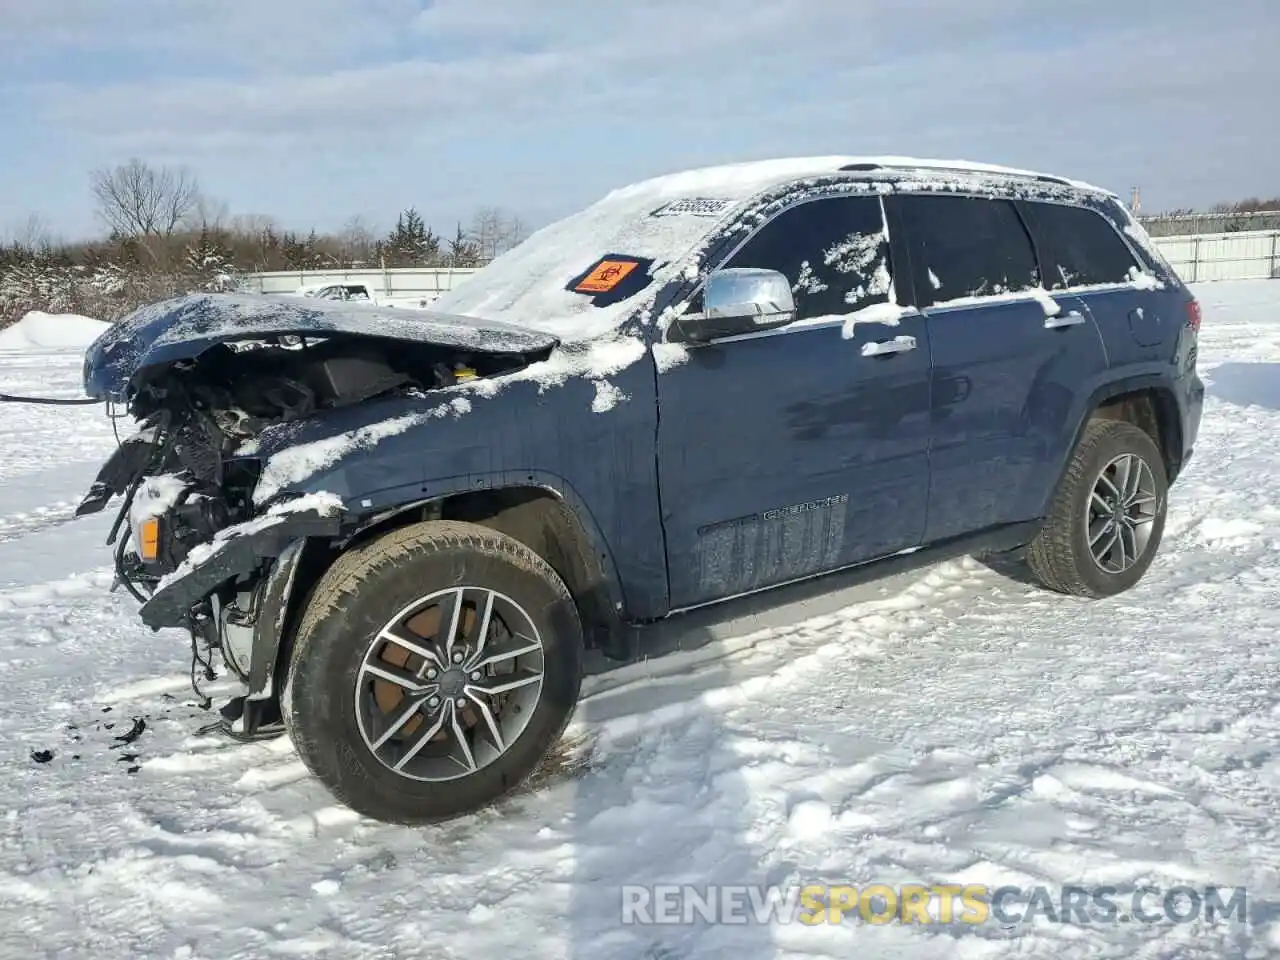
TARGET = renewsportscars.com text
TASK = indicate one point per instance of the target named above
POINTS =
(970, 904)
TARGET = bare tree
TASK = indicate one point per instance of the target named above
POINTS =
(207, 213)
(517, 231)
(31, 233)
(493, 231)
(251, 224)
(356, 242)
(138, 201)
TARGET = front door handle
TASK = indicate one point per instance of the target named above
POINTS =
(1071, 319)
(880, 348)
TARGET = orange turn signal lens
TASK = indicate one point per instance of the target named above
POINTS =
(149, 539)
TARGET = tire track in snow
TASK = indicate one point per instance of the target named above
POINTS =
(664, 692)
(19, 525)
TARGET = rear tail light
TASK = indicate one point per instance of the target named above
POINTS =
(1193, 315)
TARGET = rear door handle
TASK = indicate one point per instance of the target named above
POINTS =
(1071, 319)
(880, 348)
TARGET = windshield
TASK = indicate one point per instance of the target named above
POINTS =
(663, 220)
(528, 285)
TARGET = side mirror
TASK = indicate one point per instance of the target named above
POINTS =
(736, 301)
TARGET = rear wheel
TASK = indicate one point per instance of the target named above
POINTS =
(1107, 517)
(433, 670)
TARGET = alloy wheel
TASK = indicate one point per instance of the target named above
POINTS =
(1123, 506)
(449, 683)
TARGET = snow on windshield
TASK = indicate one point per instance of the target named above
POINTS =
(528, 285)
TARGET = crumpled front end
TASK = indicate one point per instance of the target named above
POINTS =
(199, 540)
(194, 555)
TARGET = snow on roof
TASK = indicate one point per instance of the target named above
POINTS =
(750, 177)
(662, 219)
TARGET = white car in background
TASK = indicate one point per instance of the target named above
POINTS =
(362, 293)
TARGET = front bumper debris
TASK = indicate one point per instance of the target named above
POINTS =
(235, 552)
(255, 715)
(233, 596)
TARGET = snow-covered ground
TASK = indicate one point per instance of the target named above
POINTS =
(957, 727)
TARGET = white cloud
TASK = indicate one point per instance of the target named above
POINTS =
(1091, 88)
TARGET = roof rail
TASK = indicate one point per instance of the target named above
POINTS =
(1042, 177)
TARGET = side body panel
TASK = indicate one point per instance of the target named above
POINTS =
(1008, 360)
(790, 454)
(526, 434)
(1003, 387)
(1143, 324)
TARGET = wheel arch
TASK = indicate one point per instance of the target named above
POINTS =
(1148, 402)
(548, 519)
(1154, 410)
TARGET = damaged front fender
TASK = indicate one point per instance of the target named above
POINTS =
(269, 621)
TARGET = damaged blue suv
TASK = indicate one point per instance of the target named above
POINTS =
(410, 534)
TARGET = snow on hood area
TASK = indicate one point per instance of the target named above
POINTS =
(52, 331)
(184, 327)
(950, 726)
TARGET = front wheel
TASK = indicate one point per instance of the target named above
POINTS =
(1107, 517)
(433, 670)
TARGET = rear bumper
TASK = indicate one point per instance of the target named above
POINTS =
(1192, 404)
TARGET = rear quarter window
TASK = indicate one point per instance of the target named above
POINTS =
(1081, 245)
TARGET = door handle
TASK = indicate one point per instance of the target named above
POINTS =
(1071, 319)
(880, 348)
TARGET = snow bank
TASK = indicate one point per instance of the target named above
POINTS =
(51, 331)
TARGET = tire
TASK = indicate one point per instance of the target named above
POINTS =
(1060, 556)
(333, 723)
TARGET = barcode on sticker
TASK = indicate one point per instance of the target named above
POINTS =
(692, 206)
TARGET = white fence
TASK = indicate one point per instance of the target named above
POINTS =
(1245, 255)
(391, 284)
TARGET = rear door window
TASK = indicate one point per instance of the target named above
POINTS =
(835, 252)
(1082, 246)
(966, 247)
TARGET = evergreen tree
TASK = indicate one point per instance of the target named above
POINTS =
(208, 261)
(463, 251)
(411, 243)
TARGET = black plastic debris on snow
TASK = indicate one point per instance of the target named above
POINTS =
(73, 734)
(134, 732)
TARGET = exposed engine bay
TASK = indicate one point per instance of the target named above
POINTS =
(196, 413)
(242, 387)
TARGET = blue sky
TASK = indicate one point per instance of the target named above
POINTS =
(312, 111)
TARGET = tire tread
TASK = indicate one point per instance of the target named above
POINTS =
(344, 578)
(1052, 554)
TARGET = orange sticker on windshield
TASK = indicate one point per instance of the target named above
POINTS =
(606, 275)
